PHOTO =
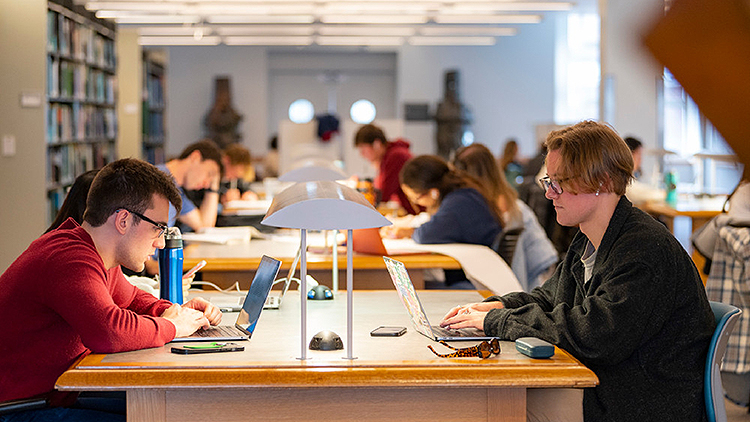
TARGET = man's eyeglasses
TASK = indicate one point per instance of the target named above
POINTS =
(554, 184)
(482, 350)
(162, 227)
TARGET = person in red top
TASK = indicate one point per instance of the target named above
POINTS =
(66, 296)
(388, 158)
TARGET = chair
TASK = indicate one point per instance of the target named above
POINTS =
(14, 406)
(505, 244)
(726, 316)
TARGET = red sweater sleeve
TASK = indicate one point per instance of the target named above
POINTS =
(102, 307)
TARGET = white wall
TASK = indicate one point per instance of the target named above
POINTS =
(23, 66)
(509, 88)
(190, 92)
(634, 74)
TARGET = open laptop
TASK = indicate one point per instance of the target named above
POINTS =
(233, 303)
(408, 295)
(251, 308)
(368, 241)
(274, 302)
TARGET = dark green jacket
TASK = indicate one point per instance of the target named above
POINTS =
(642, 324)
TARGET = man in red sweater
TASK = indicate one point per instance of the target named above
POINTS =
(388, 158)
(65, 296)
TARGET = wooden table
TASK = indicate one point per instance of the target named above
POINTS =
(237, 262)
(393, 378)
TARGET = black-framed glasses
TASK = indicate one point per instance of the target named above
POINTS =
(554, 184)
(482, 350)
(162, 227)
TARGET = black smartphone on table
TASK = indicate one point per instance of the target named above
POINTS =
(388, 331)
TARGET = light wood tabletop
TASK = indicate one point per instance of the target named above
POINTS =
(228, 263)
(391, 377)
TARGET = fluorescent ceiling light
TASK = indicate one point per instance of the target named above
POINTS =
(363, 41)
(265, 30)
(150, 19)
(227, 19)
(403, 31)
(502, 6)
(487, 19)
(268, 40)
(369, 7)
(375, 19)
(178, 41)
(171, 30)
(468, 30)
(452, 40)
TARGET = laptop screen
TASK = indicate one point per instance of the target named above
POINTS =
(256, 295)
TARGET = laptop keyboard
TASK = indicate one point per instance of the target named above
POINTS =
(444, 332)
(218, 331)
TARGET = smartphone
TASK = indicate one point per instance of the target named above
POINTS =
(192, 349)
(195, 269)
(388, 331)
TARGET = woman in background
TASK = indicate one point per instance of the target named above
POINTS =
(535, 254)
(509, 164)
(75, 202)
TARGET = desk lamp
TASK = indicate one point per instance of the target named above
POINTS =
(313, 169)
(323, 205)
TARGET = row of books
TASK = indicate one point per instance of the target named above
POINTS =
(75, 81)
(153, 124)
(154, 94)
(71, 39)
(76, 123)
(66, 162)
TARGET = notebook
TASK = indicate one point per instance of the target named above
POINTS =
(368, 241)
(408, 295)
(251, 308)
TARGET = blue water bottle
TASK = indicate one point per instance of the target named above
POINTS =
(170, 266)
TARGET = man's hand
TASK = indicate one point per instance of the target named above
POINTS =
(210, 311)
(469, 315)
(186, 321)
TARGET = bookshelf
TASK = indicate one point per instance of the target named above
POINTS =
(81, 125)
(153, 107)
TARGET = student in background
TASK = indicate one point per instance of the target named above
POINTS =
(627, 300)
(271, 159)
(65, 296)
(459, 208)
(75, 201)
(509, 164)
(238, 172)
(199, 166)
(388, 158)
(535, 254)
(636, 149)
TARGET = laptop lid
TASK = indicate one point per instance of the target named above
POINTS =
(368, 241)
(290, 274)
(257, 293)
(408, 295)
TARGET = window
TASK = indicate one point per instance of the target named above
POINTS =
(577, 70)
(695, 149)
(301, 111)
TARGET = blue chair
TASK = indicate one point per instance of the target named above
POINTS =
(726, 316)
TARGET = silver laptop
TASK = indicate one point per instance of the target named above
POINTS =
(408, 295)
(274, 302)
(231, 302)
(251, 308)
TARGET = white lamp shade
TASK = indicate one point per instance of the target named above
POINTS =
(322, 205)
(313, 170)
